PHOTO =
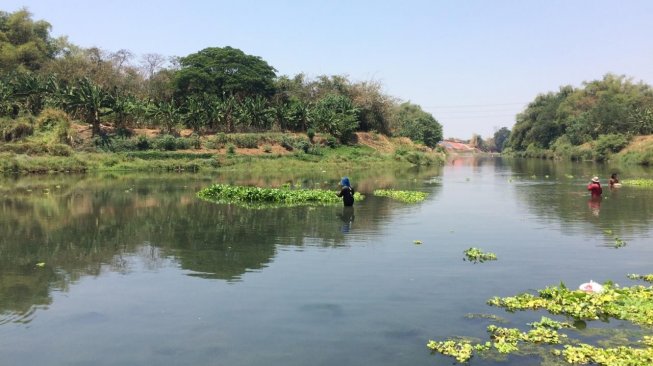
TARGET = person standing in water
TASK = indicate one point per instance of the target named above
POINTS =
(614, 181)
(595, 188)
(346, 192)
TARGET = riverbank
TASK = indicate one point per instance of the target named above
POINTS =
(636, 150)
(146, 150)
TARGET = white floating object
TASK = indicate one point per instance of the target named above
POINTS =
(591, 287)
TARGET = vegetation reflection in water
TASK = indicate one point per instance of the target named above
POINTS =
(270, 197)
(633, 304)
(403, 196)
(82, 225)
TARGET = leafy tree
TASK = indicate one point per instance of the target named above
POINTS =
(224, 71)
(612, 105)
(91, 102)
(25, 44)
(335, 114)
(256, 113)
(418, 125)
(376, 108)
(477, 142)
(501, 138)
(167, 114)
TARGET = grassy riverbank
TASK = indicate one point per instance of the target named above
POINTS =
(147, 151)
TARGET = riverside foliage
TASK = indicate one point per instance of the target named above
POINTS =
(201, 91)
(270, 197)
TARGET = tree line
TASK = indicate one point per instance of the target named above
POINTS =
(217, 89)
(605, 113)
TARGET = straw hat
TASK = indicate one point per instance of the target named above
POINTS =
(595, 179)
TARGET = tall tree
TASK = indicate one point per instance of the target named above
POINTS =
(224, 71)
(418, 125)
(501, 137)
(25, 44)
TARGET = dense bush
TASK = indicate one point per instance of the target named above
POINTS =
(16, 129)
(609, 144)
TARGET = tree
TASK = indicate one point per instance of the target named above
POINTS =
(477, 142)
(151, 63)
(91, 101)
(224, 71)
(501, 138)
(25, 44)
(335, 114)
(418, 125)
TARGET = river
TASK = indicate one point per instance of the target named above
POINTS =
(133, 269)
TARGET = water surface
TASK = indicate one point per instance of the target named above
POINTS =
(138, 271)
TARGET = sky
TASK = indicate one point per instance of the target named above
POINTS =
(472, 64)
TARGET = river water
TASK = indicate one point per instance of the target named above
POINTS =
(133, 269)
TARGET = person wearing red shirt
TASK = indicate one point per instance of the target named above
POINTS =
(595, 187)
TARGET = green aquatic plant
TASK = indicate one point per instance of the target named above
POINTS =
(461, 350)
(647, 277)
(404, 196)
(585, 354)
(633, 304)
(646, 183)
(270, 197)
(477, 255)
(618, 242)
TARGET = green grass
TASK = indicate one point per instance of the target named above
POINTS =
(270, 197)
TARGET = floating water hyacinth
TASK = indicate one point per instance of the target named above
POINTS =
(477, 255)
(633, 304)
(256, 197)
(403, 196)
(646, 183)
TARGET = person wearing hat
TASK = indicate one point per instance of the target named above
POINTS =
(595, 188)
(346, 192)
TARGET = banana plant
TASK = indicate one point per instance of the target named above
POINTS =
(91, 102)
(166, 113)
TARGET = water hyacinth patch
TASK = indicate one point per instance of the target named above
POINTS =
(647, 277)
(477, 255)
(634, 304)
(646, 183)
(403, 196)
(270, 197)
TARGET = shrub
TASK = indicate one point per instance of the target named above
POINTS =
(51, 118)
(165, 142)
(245, 141)
(267, 149)
(331, 142)
(16, 129)
(608, 144)
(142, 143)
(311, 134)
(231, 149)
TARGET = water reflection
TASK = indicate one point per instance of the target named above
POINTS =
(557, 192)
(83, 225)
(347, 217)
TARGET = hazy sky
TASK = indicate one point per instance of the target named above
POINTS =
(472, 64)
